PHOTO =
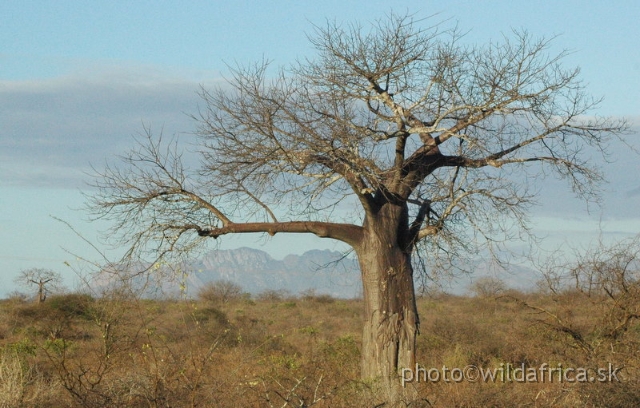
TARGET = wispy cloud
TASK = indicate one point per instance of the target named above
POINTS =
(53, 129)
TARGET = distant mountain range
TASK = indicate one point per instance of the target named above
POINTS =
(322, 271)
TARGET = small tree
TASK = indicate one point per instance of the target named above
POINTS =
(488, 286)
(221, 291)
(44, 279)
(432, 142)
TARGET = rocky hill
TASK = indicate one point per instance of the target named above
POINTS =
(324, 271)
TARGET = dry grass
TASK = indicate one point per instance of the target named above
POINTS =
(285, 351)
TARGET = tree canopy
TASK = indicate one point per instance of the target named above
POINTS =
(394, 112)
(45, 280)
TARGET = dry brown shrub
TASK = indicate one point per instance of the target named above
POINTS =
(221, 291)
(185, 353)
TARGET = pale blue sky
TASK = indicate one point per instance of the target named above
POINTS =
(78, 78)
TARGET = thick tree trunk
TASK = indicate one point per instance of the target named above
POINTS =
(42, 295)
(391, 318)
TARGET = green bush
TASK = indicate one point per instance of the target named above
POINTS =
(211, 314)
(72, 305)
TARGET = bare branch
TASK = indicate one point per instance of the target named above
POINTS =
(379, 118)
(347, 233)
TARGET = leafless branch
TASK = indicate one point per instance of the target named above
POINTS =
(379, 117)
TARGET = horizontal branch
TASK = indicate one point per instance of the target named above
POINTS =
(460, 161)
(348, 233)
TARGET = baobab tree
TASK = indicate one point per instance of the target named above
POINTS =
(425, 143)
(44, 279)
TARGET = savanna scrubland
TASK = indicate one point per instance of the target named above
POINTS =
(225, 348)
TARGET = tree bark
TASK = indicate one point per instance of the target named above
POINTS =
(42, 296)
(391, 318)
